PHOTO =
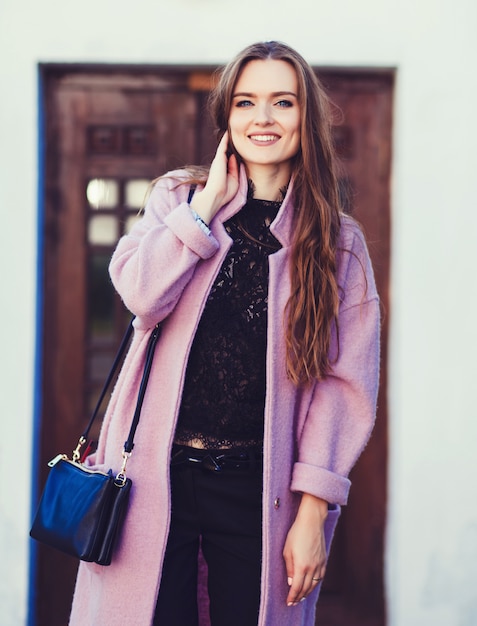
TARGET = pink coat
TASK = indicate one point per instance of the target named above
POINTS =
(313, 436)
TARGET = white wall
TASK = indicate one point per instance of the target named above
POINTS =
(432, 529)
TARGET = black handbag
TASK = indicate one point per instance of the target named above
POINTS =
(81, 510)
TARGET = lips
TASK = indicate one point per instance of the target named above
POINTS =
(264, 138)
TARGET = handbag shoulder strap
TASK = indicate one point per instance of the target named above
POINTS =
(151, 346)
(192, 189)
(114, 368)
(129, 444)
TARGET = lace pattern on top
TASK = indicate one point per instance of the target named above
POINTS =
(224, 392)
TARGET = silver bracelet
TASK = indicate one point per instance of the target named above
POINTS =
(202, 225)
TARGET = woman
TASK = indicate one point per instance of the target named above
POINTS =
(263, 388)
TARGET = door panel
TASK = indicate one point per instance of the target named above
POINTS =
(353, 592)
(109, 131)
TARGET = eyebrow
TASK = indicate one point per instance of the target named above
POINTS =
(275, 94)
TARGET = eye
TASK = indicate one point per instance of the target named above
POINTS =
(243, 103)
(284, 103)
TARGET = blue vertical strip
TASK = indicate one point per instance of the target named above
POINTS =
(37, 375)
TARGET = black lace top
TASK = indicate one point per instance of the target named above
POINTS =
(224, 393)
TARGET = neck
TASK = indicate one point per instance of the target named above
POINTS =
(267, 183)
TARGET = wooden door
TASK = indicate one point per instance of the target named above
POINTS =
(108, 132)
(353, 590)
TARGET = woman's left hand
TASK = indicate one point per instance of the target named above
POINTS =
(305, 549)
(222, 183)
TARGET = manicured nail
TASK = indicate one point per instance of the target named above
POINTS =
(290, 580)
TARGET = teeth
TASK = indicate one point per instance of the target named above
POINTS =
(263, 137)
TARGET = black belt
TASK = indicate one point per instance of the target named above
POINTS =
(217, 460)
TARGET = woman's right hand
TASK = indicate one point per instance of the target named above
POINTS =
(221, 186)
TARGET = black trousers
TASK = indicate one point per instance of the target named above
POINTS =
(221, 511)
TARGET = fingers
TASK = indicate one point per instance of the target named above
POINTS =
(220, 157)
(301, 585)
(221, 186)
(296, 591)
(223, 143)
(305, 560)
(233, 168)
(218, 167)
(224, 172)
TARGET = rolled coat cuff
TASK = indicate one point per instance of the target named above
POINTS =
(184, 226)
(320, 482)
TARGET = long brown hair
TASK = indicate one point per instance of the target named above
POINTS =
(312, 308)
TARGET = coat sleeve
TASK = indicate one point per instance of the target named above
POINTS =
(342, 410)
(153, 263)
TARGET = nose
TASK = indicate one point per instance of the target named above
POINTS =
(263, 114)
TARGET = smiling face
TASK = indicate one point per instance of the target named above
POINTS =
(264, 121)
